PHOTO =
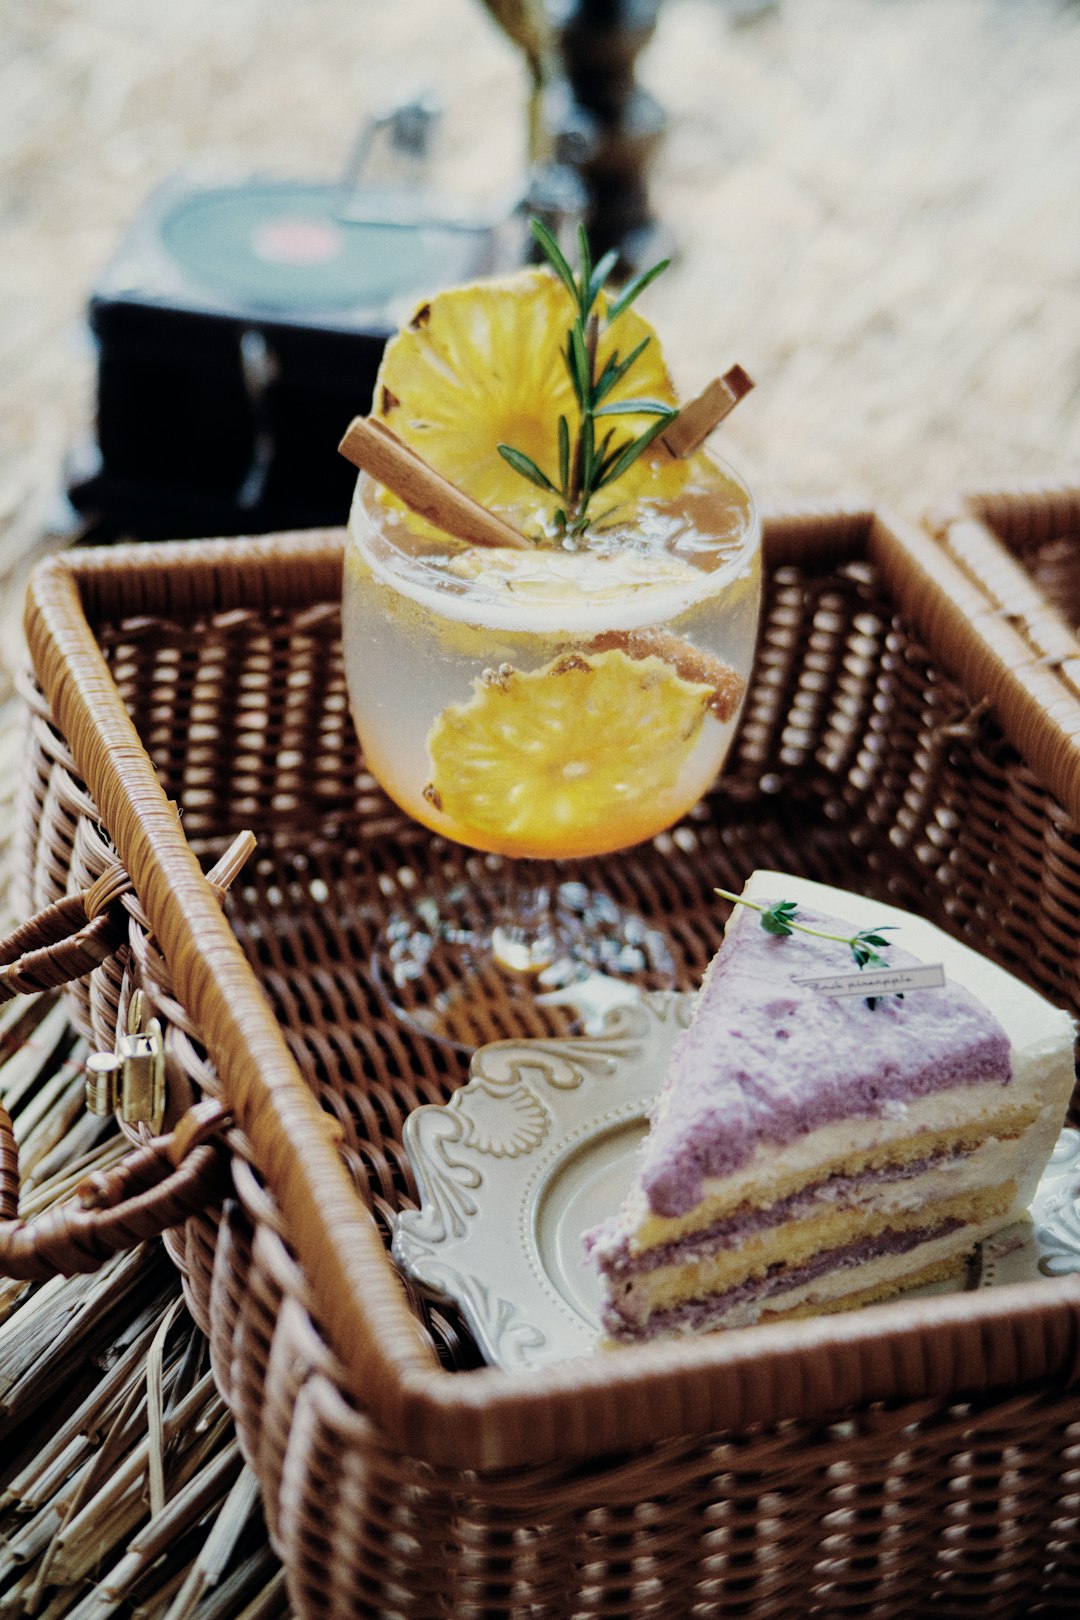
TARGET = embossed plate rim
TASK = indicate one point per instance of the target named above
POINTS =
(486, 1160)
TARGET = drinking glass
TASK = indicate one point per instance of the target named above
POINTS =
(541, 707)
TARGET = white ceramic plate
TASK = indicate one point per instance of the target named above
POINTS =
(539, 1147)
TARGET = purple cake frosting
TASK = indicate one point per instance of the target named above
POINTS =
(695, 1314)
(766, 1060)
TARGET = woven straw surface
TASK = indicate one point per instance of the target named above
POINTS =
(753, 1469)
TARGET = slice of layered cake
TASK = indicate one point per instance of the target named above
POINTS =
(813, 1150)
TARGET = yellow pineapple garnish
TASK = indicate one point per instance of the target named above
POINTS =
(482, 365)
(585, 754)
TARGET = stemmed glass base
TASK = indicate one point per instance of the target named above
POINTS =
(528, 951)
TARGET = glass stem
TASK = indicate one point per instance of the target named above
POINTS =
(525, 936)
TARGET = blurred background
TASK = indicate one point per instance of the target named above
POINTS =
(873, 205)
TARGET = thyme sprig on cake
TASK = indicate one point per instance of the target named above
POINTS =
(592, 457)
(779, 918)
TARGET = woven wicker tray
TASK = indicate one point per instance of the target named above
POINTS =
(895, 740)
(1021, 548)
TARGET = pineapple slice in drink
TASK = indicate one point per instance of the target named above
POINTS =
(483, 365)
(581, 755)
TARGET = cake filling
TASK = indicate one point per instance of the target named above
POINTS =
(691, 1315)
(641, 1290)
(621, 1259)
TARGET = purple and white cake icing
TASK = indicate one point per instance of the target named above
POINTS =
(766, 1060)
(809, 1151)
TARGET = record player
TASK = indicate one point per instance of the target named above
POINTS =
(240, 326)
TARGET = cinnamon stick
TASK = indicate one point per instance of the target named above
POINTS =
(370, 445)
(700, 415)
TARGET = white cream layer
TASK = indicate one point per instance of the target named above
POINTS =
(773, 1171)
(887, 1273)
(969, 1191)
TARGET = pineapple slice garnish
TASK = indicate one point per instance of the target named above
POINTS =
(585, 753)
(483, 364)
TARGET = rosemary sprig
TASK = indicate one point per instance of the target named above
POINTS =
(779, 918)
(590, 457)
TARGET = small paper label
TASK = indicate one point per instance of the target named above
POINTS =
(878, 981)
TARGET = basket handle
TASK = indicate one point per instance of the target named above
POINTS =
(73, 936)
(157, 1186)
(67, 940)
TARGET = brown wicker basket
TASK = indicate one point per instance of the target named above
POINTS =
(1021, 547)
(913, 1458)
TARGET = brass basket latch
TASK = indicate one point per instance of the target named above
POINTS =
(130, 1081)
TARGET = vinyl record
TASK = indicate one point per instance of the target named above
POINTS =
(293, 247)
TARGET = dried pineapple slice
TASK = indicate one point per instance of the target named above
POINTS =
(585, 754)
(482, 365)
